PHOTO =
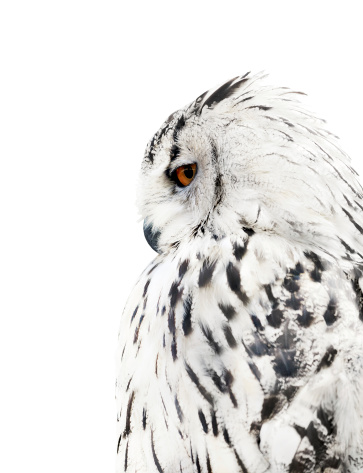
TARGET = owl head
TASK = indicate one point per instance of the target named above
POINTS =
(246, 158)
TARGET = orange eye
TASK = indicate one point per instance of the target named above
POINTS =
(185, 174)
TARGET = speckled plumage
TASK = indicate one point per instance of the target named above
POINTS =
(241, 347)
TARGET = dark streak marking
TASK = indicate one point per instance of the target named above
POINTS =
(214, 423)
(255, 429)
(146, 287)
(217, 380)
(336, 170)
(119, 443)
(298, 270)
(232, 398)
(207, 332)
(290, 392)
(133, 315)
(150, 156)
(326, 420)
(275, 318)
(178, 127)
(285, 362)
(223, 382)
(187, 316)
(166, 412)
(183, 268)
(256, 322)
(294, 302)
(239, 461)
(156, 461)
(346, 246)
(332, 464)
(228, 311)
(270, 295)
(233, 278)
(359, 205)
(249, 231)
(245, 100)
(175, 293)
(300, 430)
(290, 284)
(305, 319)
(158, 305)
(234, 282)
(128, 415)
(152, 269)
(209, 468)
(289, 138)
(207, 396)
(319, 446)
(206, 273)
(330, 313)
(126, 455)
(255, 370)
(128, 384)
(200, 229)
(174, 350)
(328, 358)
(315, 275)
(198, 464)
(123, 352)
(156, 365)
(228, 377)
(239, 251)
(178, 409)
(203, 421)
(229, 336)
(260, 107)
(144, 418)
(171, 321)
(301, 463)
(163, 310)
(270, 407)
(226, 436)
(223, 92)
(174, 152)
(137, 329)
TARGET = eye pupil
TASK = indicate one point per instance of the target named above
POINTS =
(188, 172)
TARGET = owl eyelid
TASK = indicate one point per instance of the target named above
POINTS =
(174, 168)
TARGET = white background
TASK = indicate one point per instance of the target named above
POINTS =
(84, 85)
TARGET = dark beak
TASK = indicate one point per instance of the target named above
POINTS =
(152, 236)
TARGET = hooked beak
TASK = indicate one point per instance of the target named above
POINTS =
(152, 236)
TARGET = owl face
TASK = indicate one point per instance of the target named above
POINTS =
(182, 186)
(244, 158)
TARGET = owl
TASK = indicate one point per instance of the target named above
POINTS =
(241, 345)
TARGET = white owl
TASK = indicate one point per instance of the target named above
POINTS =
(241, 345)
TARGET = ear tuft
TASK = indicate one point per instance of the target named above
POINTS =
(214, 96)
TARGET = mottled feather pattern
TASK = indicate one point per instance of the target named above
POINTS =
(240, 347)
